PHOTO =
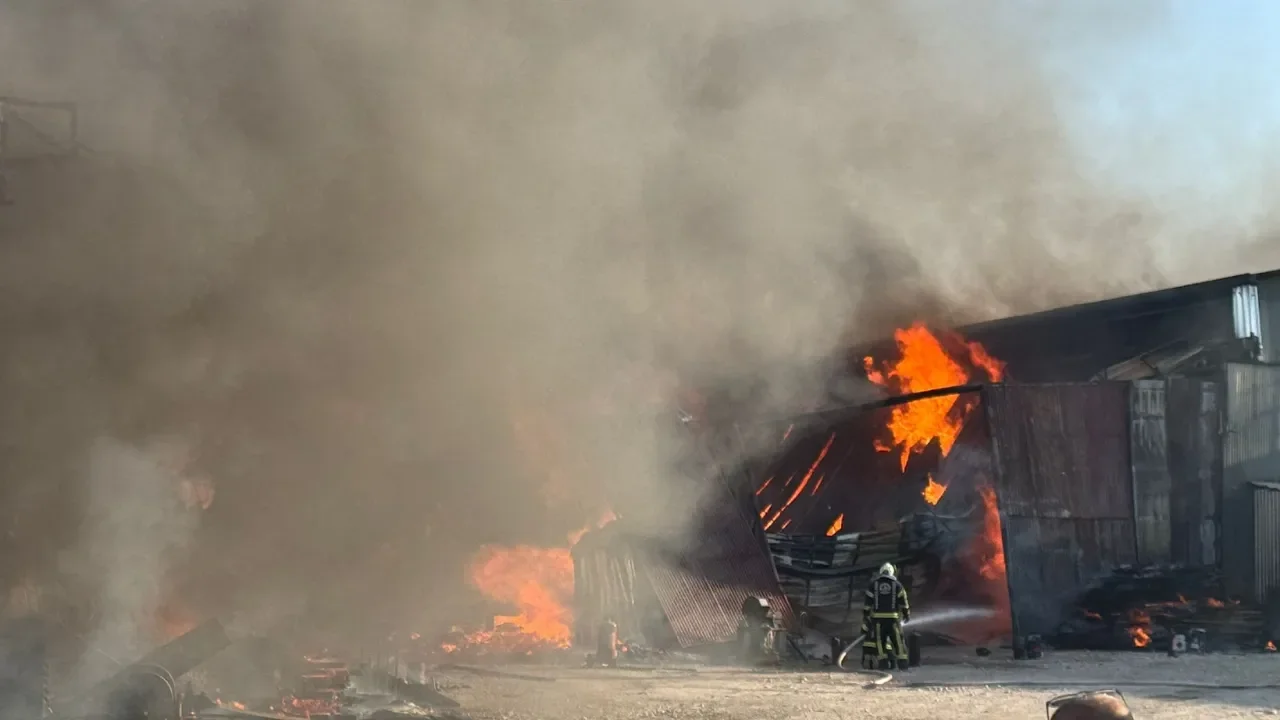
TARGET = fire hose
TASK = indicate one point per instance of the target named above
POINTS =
(881, 677)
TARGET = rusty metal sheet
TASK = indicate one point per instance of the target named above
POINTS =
(1266, 541)
(1148, 448)
(701, 584)
(1050, 561)
(1061, 450)
(604, 585)
(1195, 467)
(1251, 452)
(1062, 478)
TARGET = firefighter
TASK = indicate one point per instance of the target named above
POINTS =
(607, 643)
(885, 609)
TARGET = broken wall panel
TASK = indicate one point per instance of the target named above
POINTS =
(1148, 447)
(1251, 453)
(701, 583)
(1195, 470)
(604, 585)
(1062, 478)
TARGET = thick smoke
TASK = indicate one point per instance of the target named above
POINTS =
(134, 528)
(352, 249)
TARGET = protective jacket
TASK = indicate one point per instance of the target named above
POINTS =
(885, 609)
(887, 600)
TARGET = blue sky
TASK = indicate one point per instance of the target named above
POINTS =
(1180, 97)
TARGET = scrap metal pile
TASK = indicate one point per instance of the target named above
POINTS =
(1147, 608)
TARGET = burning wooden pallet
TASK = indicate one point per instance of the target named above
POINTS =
(1144, 608)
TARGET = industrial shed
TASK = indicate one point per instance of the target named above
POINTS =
(1200, 365)
(1139, 430)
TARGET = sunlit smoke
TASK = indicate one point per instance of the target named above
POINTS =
(333, 245)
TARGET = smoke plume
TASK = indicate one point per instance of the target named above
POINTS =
(413, 276)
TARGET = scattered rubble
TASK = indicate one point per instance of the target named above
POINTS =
(1144, 608)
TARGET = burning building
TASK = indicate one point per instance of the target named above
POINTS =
(1107, 438)
(1026, 464)
(1201, 417)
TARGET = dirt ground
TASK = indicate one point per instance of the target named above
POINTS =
(717, 693)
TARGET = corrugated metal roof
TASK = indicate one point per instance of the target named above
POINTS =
(698, 583)
(701, 585)
(1181, 357)
(1076, 343)
(1139, 304)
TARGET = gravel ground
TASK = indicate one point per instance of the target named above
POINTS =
(716, 693)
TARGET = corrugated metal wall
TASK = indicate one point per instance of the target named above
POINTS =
(1193, 429)
(1148, 445)
(1062, 468)
(604, 585)
(1266, 541)
(1251, 452)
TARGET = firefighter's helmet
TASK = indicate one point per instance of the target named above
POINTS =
(888, 570)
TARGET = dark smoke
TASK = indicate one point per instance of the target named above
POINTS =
(339, 248)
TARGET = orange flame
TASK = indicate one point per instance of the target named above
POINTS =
(1215, 603)
(803, 482)
(537, 581)
(1141, 638)
(836, 526)
(991, 544)
(933, 491)
(926, 365)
